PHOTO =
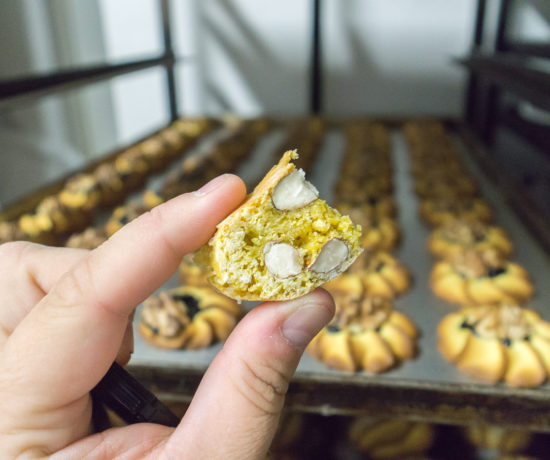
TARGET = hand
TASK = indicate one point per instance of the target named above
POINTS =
(65, 315)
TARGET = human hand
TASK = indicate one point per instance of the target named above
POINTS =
(65, 315)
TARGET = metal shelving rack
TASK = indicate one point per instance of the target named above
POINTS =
(490, 76)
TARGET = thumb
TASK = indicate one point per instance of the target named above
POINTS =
(235, 410)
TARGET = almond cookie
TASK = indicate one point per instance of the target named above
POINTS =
(282, 242)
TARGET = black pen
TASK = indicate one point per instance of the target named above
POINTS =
(130, 400)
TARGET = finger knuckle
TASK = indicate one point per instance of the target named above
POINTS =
(13, 250)
(263, 385)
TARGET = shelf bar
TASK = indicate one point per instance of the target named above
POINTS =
(316, 87)
(169, 65)
(541, 50)
(513, 76)
(42, 85)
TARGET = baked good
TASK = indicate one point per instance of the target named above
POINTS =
(392, 439)
(282, 242)
(81, 193)
(447, 186)
(440, 210)
(497, 342)
(379, 232)
(154, 152)
(381, 274)
(130, 211)
(457, 235)
(377, 205)
(64, 219)
(132, 167)
(90, 238)
(188, 317)
(110, 182)
(38, 228)
(192, 274)
(504, 440)
(365, 333)
(10, 231)
(473, 277)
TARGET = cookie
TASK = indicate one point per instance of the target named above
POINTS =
(473, 277)
(457, 235)
(381, 274)
(365, 333)
(282, 242)
(188, 317)
(391, 439)
(497, 342)
(90, 238)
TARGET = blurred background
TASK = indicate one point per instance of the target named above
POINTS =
(247, 57)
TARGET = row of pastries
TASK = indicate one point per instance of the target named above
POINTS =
(83, 195)
(493, 336)
(367, 333)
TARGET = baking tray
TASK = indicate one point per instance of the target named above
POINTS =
(426, 388)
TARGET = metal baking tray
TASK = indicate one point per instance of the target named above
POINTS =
(426, 388)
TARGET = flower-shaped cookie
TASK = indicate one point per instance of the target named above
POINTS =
(366, 333)
(391, 439)
(379, 232)
(282, 242)
(472, 277)
(494, 343)
(440, 210)
(381, 274)
(81, 193)
(188, 317)
(457, 235)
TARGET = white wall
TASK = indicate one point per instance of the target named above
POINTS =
(395, 57)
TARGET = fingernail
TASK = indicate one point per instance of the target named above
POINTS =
(304, 324)
(211, 186)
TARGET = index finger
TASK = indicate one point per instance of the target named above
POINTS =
(80, 323)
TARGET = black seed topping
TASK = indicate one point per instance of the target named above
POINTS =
(506, 342)
(493, 272)
(379, 267)
(154, 330)
(466, 325)
(333, 328)
(124, 220)
(190, 302)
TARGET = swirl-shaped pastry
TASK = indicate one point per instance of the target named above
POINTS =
(10, 231)
(130, 211)
(90, 238)
(192, 274)
(504, 440)
(494, 343)
(379, 232)
(440, 210)
(473, 277)
(366, 333)
(188, 317)
(391, 439)
(81, 193)
(457, 235)
(381, 274)
(110, 182)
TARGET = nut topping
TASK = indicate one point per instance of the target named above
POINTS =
(333, 254)
(293, 192)
(282, 260)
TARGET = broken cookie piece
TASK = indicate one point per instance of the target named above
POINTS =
(282, 242)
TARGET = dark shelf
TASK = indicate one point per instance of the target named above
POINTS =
(513, 75)
(41, 85)
(528, 49)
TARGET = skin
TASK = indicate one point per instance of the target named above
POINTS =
(65, 315)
